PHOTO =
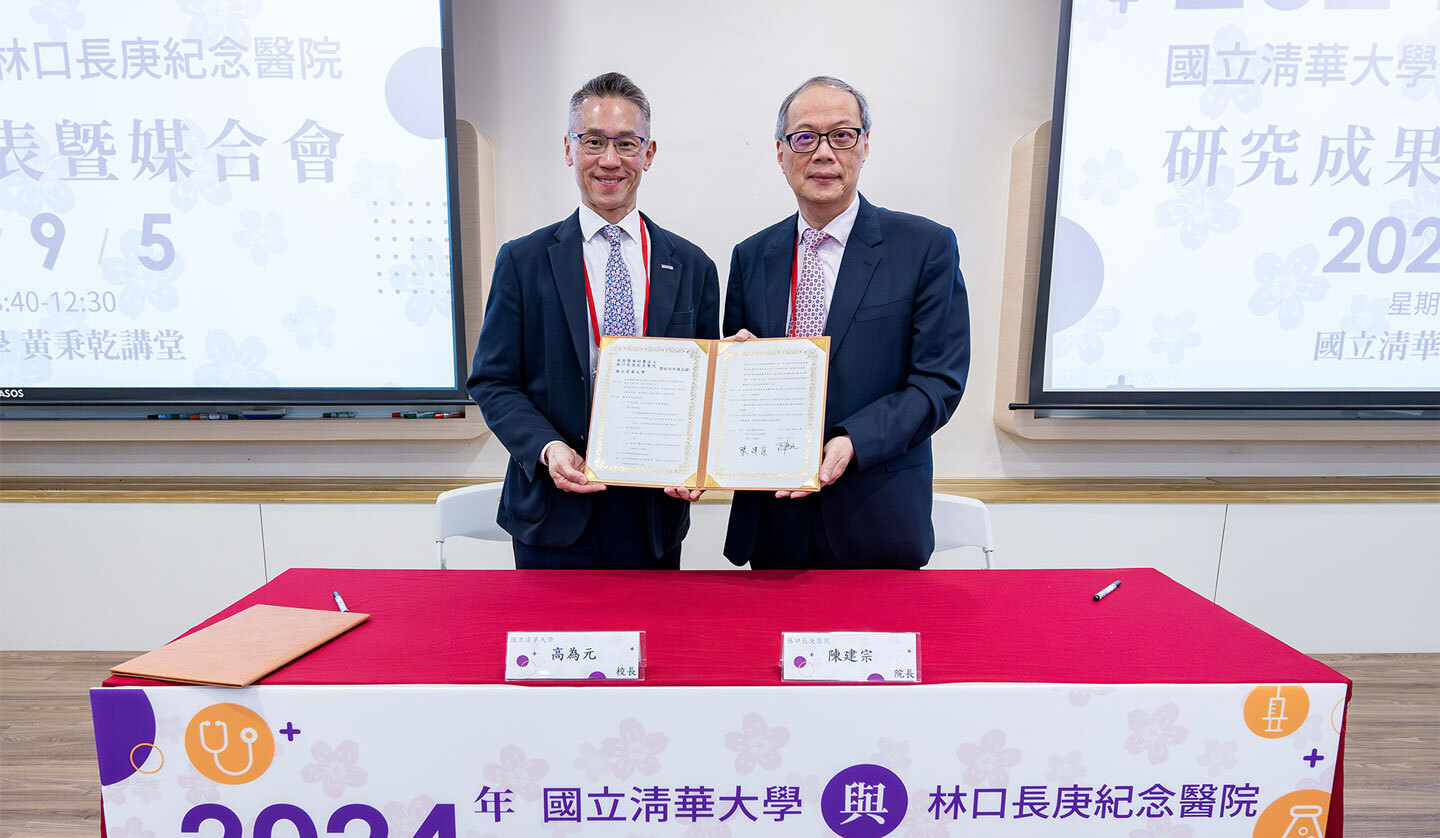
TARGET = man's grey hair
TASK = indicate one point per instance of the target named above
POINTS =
(827, 81)
(611, 86)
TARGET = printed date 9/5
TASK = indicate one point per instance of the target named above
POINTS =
(61, 302)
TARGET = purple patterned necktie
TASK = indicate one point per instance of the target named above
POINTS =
(810, 287)
(619, 295)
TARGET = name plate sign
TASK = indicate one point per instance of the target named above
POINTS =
(575, 656)
(851, 656)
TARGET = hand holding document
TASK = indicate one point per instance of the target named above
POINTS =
(704, 414)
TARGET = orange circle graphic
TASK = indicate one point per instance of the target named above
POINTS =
(229, 744)
(1275, 711)
(151, 746)
(1299, 814)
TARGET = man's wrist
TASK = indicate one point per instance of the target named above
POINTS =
(545, 452)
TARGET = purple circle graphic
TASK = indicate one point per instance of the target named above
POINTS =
(123, 719)
(1076, 275)
(597, 676)
(875, 676)
(522, 661)
(864, 801)
(799, 661)
(413, 90)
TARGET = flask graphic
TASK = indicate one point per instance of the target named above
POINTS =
(1304, 822)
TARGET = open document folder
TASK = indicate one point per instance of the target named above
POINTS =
(709, 414)
(243, 648)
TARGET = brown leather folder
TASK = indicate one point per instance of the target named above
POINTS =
(241, 649)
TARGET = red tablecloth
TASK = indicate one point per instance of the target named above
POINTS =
(722, 628)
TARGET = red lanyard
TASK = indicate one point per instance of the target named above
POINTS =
(590, 296)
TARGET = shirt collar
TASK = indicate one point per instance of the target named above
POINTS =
(839, 227)
(591, 222)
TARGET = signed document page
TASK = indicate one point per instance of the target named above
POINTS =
(648, 418)
(767, 425)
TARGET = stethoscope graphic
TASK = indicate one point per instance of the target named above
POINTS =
(247, 735)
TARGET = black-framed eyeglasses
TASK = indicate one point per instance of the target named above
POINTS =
(626, 145)
(840, 139)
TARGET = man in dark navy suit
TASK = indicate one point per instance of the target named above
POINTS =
(886, 287)
(605, 270)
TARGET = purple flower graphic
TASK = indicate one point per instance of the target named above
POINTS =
(1065, 768)
(60, 14)
(808, 784)
(919, 825)
(593, 762)
(516, 772)
(378, 186)
(1286, 286)
(30, 195)
(1084, 337)
(634, 750)
(1424, 202)
(335, 768)
(234, 366)
(212, 20)
(142, 285)
(987, 761)
(405, 819)
(1162, 828)
(1152, 734)
(199, 789)
(310, 323)
(1228, 62)
(147, 789)
(1101, 14)
(424, 281)
(1419, 80)
(1080, 696)
(1107, 178)
(1201, 209)
(263, 235)
(1218, 758)
(892, 755)
(756, 743)
(133, 828)
(1173, 335)
(1366, 315)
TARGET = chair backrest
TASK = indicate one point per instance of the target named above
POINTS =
(962, 522)
(467, 512)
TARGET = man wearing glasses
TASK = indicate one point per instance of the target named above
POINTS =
(605, 270)
(886, 287)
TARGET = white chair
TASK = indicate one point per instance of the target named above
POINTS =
(468, 512)
(962, 522)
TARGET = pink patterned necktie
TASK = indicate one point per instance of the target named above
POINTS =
(810, 287)
(619, 295)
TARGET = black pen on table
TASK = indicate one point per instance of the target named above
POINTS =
(341, 603)
(1104, 592)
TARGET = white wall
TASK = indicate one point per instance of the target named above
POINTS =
(1323, 578)
(953, 83)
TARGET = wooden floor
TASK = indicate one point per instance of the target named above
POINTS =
(49, 786)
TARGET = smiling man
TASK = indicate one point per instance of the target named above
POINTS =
(886, 287)
(607, 269)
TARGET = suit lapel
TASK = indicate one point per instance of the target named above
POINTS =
(779, 259)
(568, 266)
(862, 254)
(665, 277)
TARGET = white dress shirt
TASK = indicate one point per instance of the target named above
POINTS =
(595, 249)
(830, 252)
